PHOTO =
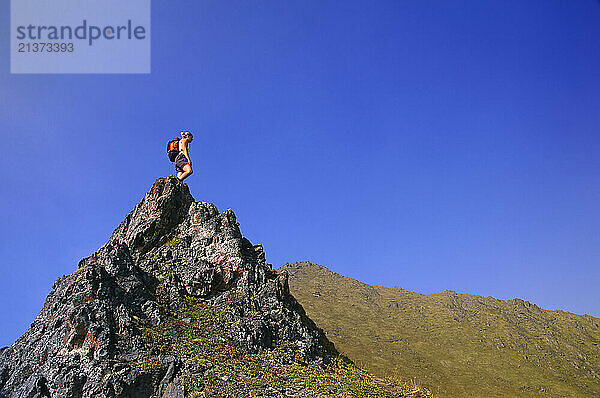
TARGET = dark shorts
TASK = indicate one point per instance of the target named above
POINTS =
(180, 161)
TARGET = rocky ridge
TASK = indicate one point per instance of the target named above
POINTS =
(179, 304)
(88, 340)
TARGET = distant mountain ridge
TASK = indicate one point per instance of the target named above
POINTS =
(459, 345)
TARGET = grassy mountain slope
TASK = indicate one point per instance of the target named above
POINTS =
(459, 345)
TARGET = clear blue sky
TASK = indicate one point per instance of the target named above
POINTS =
(429, 145)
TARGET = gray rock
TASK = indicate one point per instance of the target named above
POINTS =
(87, 336)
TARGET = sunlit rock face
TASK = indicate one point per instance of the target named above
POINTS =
(88, 340)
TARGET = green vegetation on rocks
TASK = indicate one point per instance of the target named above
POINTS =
(216, 367)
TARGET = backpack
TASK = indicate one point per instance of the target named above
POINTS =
(173, 149)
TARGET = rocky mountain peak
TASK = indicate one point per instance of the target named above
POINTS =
(169, 263)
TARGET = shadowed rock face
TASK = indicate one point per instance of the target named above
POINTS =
(87, 336)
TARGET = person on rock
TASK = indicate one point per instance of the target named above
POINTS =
(183, 163)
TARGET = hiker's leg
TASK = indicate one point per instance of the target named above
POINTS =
(187, 170)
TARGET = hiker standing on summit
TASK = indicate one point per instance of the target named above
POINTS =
(183, 163)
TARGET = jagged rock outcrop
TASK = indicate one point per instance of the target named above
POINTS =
(88, 339)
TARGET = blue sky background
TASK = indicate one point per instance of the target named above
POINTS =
(429, 145)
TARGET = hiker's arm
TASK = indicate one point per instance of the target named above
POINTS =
(185, 152)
